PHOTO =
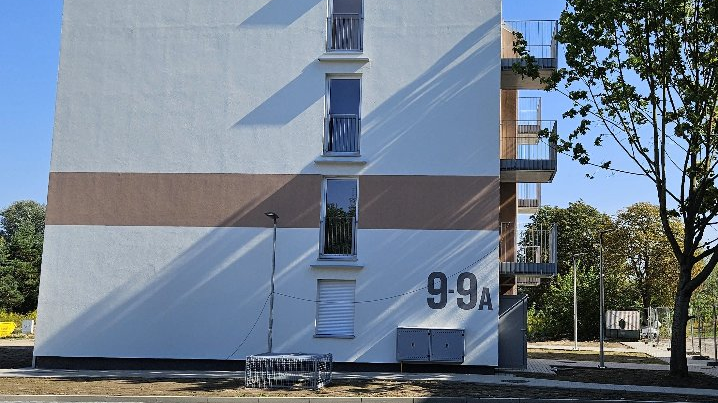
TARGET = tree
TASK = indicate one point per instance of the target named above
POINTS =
(645, 72)
(21, 237)
(554, 320)
(640, 243)
(22, 213)
(578, 227)
(552, 301)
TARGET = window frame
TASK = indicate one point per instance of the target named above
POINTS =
(327, 108)
(328, 42)
(322, 221)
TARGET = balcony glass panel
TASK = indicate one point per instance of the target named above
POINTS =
(343, 124)
(339, 218)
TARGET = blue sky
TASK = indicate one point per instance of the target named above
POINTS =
(29, 50)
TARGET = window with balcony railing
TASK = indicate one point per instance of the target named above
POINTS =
(529, 244)
(339, 218)
(345, 26)
(528, 139)
(343, 123)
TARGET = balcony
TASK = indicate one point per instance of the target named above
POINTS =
(540, 43)
(345, 32)
(527, 253)
(342, 135)
(528, 197)
(527, 153)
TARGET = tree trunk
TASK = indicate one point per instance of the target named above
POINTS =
(679, 363)
(646, 299)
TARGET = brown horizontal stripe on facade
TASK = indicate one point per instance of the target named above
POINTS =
(240, 200)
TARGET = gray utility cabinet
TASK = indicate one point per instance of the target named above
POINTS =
(429, 345)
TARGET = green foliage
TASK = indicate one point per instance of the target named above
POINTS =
(10, 295)
(578, 226)
(555, 319)
(644, 75)
(648, 260)
(6, 316)
(21, 236)
(706, 298)
(639, 267)
(22, 213)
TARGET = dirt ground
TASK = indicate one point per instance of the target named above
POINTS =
(628, 377)
(569, 343)
(340, 387)
(609, 356)
(18, 357)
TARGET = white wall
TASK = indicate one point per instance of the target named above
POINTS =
(166, 292)
(235, 86)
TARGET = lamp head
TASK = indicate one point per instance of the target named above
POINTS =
(272, 215)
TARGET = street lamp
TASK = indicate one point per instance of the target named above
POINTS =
(274, 217)
(575, 303)
(601, 364)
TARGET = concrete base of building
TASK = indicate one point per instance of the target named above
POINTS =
(104, 363)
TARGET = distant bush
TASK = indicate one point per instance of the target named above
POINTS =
(17, 318)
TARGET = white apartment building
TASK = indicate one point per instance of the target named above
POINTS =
(388, 136)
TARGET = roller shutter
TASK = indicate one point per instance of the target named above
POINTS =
(335, 309)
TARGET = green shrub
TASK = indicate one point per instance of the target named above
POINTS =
(17, 318)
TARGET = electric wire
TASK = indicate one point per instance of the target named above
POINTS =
(393, 296)
(355, 302)
(252, 329)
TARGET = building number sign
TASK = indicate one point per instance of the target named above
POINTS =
(466, 287)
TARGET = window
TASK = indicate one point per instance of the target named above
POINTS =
(343, 123)
(345, 26)
(339, 218)
(335, 308)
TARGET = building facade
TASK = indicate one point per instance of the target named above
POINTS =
(385, 136)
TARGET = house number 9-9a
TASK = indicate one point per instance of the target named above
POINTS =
(466, 287)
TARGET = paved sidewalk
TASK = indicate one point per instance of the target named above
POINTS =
(625, 349)
(659, 352)
(17, 342)
(702, 368)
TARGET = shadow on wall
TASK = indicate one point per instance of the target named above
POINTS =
(289, 102)
(208, 297)
(185, 294)
(454, 77)
(279, 13)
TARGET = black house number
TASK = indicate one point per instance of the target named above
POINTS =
(466, 287)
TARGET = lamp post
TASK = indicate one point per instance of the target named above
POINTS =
(274, 217)
(601, 364)
(575, 303)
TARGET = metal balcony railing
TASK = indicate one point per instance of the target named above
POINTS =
(540, 42)
(339, 236)
(342, 134)
(528, 196)
(528, 140)
(345, 32)
(533, 244)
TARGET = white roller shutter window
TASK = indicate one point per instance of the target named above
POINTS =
(335, 309)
